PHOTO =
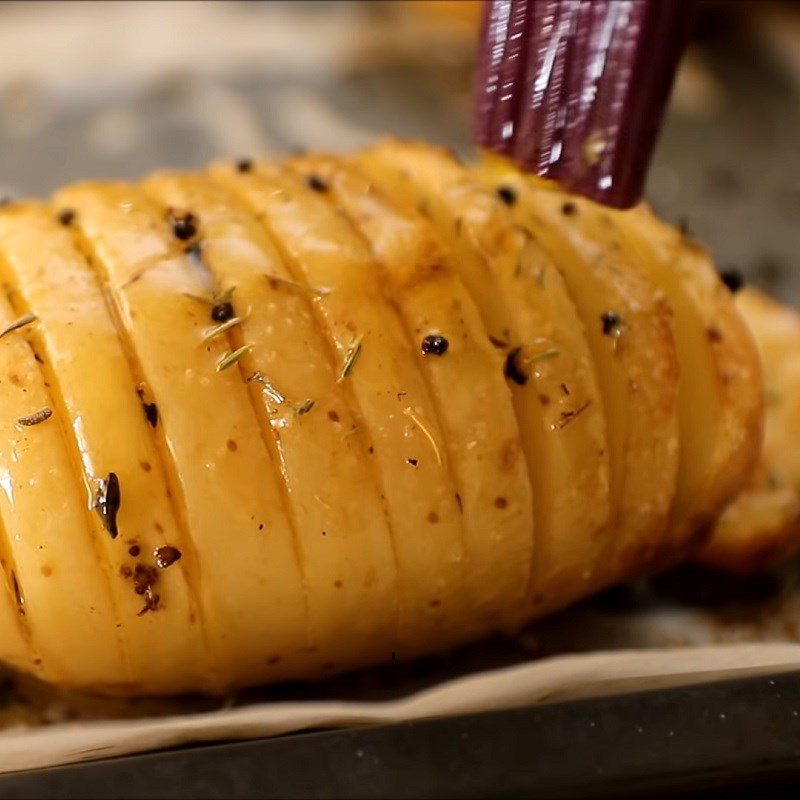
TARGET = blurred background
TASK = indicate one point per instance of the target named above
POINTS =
(116, 89)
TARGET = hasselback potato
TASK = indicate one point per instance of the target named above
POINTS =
(274, 421)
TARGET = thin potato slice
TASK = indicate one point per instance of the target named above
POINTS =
(344, 541)
(526, 309)
(466, 381)
(762, 525)
(628, 325)
(399, 421)
(91, 381)
(721, 402)
(242, 557)
(60, 582)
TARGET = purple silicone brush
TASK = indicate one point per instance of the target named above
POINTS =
(575, 90)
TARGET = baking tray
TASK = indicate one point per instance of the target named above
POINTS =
(699, 740)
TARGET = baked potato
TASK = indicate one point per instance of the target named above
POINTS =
(273, 421)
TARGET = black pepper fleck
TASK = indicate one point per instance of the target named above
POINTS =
(222, 311)
(134, 550)
(412, 461)
(733, 279)
(569, 209)
(244, 165)
(184, 224)
(434, 345)
(507, 195)
(66, 216)
(511, 368)
(611, 322)
(316, 183)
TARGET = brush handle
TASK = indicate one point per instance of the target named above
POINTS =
(575, 90)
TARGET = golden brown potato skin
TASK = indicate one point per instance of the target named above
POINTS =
(296, 418)
(762, 525)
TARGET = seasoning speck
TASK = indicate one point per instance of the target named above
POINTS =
(38, 416)
(511, 368)
(166, 555)
(507, 195)
(184, 224)
(66, 216)
(109, 499)
(434, 345)
(733, 279)
(244, 165)
(569, 209)
(316, 183)
(611, 322)
(412, 461)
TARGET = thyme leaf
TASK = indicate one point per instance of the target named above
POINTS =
(219, 329)
(350, 358)
(317, 291)
(229, 359)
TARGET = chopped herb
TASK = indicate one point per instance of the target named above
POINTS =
(184, 224)
(317, 291)
(352, 432)
(38, 416)
(219, 329)
(569, 209)
(20, 322)
(66, 216)
(229, 359)
(611, 322)
(499, 343)
(166, 555)
(408, 412)
(511, 368)
(316, 183)
(244, 165)
(109, 499)
(507, 195)
(305, 407)
(435, 345)
(569, 416)
(544, 355)
(353, 352)
(733, 279)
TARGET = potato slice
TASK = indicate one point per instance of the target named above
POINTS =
(526, 309)
(91, 382)
(721, 402)
(762, 525)
(466, 382)
(344, 540)
(375, 364)
(59, 579)
(242, 556)
(628, 325)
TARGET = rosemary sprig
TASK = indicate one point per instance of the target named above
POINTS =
(20, 322)
(219, 329)
(317, 291)
(229, 359)
(350, 358)
(428, 435)
(38, 416)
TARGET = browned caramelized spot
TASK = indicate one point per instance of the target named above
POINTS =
(232, 446)
(159, 527)
(151, 602)
(544, 399)
(66, 216)
(500, 502)
(460, 502)
(47, 570)
(337, 584)
(333, 416)
(434, 603)
(714, 334)
(15, 379)
(145, 465)
(125, 571)
(433, 517)
(144, 578)
(134, 550)
(167, 555)
(273, 660)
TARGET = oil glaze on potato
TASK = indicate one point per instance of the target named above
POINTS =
(275, 421)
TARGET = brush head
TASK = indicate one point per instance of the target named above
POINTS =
(575, 90)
